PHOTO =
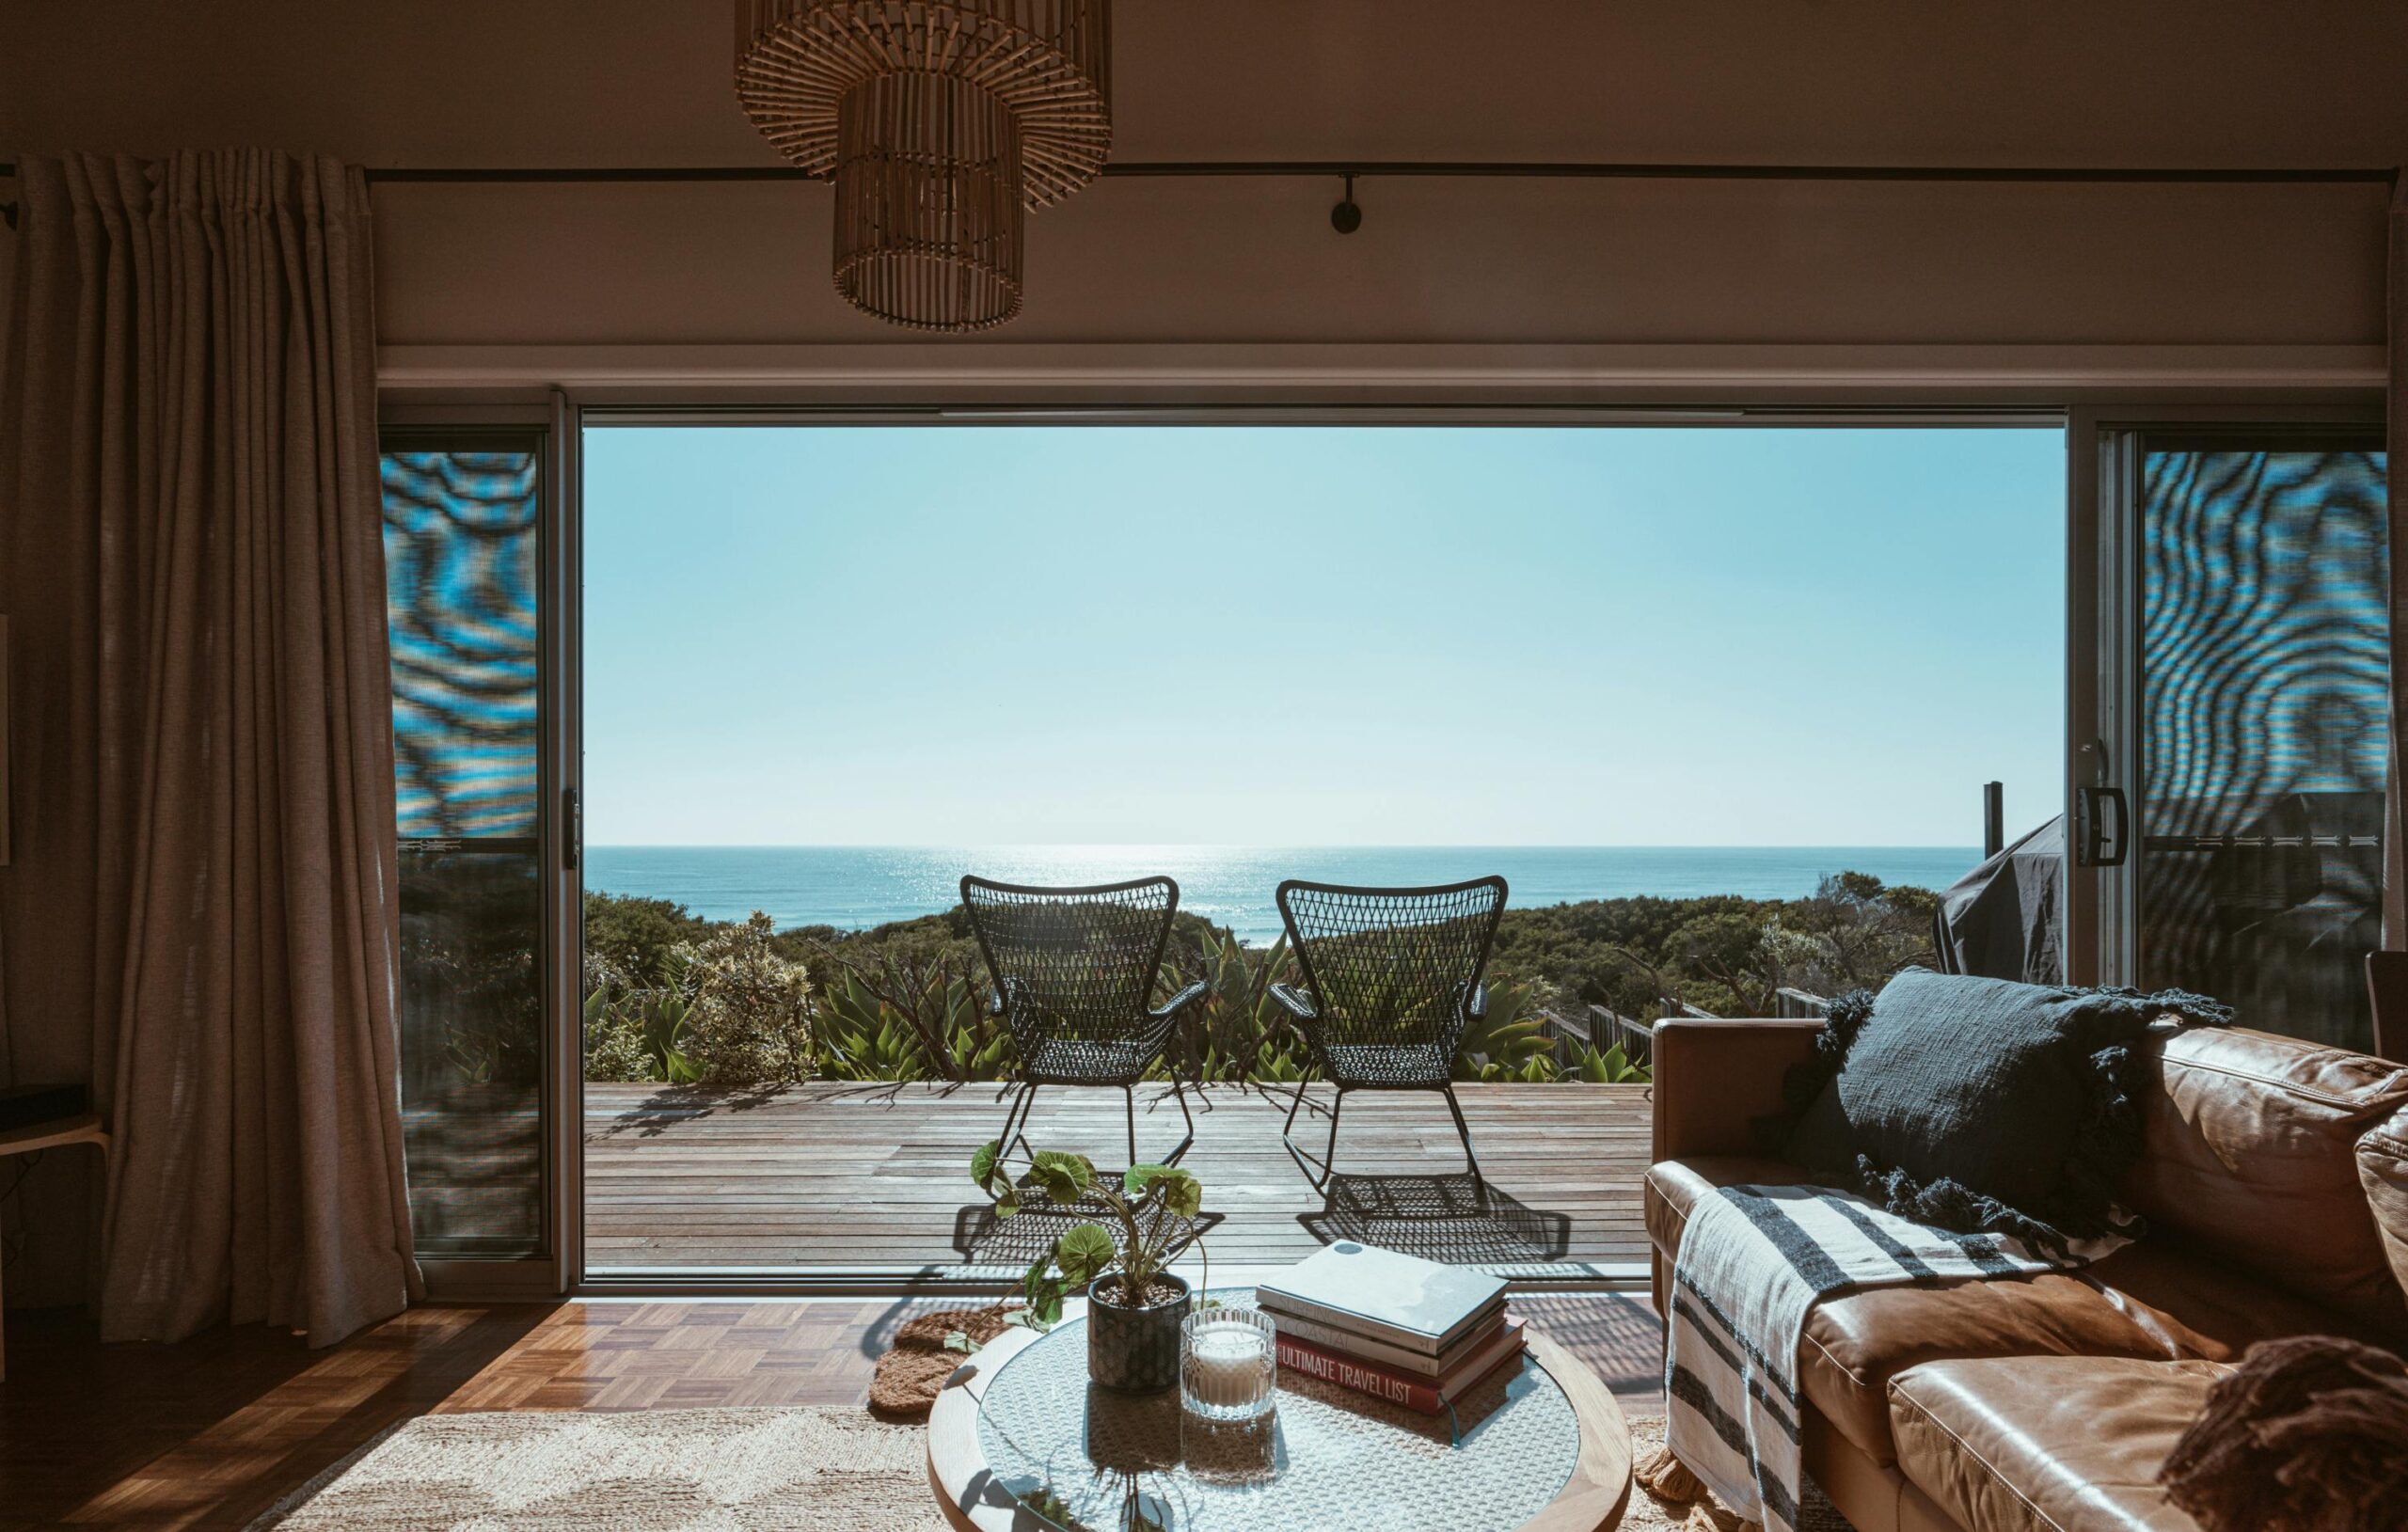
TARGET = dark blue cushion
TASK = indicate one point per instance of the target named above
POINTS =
(1982, 1105)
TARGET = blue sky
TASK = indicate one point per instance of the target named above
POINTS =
(1320, 635)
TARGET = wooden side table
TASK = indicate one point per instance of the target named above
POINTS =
(33, 1139)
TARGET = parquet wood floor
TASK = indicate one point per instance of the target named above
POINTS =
(209, 1433)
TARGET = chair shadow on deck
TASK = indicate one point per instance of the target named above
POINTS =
(983, 1238)
(673, 1106)
(1441, 1218)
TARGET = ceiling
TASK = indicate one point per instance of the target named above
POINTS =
(1518, 263)
(648, 82)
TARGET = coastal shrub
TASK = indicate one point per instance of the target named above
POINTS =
(638, 942)
(748, 1020)
(638, 1035)
(614, 1048)
(910, 1001)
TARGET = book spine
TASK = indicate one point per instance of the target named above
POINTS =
(1287, 1303)
(1361, 1347)
(1346, 1372)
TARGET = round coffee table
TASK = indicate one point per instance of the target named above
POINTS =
(1539, 1447)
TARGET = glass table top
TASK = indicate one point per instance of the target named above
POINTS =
(1325, 1460)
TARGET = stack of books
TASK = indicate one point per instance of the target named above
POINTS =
(1396, 1327)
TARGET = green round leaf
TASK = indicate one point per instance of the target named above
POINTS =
(1065, 1176)
(1181, 1192)
(1084, 1253)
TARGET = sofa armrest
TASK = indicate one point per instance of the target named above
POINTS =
(1713, 1078)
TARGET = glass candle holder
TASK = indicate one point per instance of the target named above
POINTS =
(1229, 1363)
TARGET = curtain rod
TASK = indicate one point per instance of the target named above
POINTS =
(1523, 169)
(1367, 170)
(1526, 169)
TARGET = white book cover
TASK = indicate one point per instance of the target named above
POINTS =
(1400, 1299)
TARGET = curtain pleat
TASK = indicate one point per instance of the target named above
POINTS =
(203, 917)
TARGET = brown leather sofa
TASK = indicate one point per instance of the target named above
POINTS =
(2275, 1184)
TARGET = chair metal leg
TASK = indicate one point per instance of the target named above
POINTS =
(1178, 1090)
(1479, 1182)
(1317, 1174)
(1016, 1120)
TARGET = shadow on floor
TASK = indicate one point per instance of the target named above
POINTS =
(671, 1106)
(1439, 1218)
(207, 1433)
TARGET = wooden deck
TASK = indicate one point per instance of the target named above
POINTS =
(832, 1176)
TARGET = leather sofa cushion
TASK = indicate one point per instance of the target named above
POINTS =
(1856, 1342)
(2382, 1171)
(2251, 1158)
(2048, 1444)
(2146, 1301)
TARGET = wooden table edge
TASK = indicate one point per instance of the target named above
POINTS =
(1592, 1500)
(84, 1128)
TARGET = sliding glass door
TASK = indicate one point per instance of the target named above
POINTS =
(2255, 703)
(464, 543)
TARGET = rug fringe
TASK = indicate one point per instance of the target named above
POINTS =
(1707, 1517)
(1667, 1478)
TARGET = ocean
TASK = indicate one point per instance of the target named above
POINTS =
(855, 887)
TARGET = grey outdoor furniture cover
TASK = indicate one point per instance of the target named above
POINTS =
(2004, 919)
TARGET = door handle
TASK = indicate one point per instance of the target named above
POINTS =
(2103, 827)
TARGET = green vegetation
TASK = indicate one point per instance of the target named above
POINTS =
(675, 998)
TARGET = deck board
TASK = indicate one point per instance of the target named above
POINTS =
(833, 1175)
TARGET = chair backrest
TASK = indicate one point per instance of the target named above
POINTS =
(1073, 963)
(1391, 965)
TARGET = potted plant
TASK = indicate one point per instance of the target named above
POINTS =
(1134, 1306)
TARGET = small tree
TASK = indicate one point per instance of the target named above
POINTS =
(750, 1020)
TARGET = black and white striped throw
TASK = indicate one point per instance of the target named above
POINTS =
(1752, 1263)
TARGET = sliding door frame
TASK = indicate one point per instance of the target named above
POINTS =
(2103, 446)
(669, 411)
(2099, 644)
(552, 1271)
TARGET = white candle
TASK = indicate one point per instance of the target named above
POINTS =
(1227, 1364)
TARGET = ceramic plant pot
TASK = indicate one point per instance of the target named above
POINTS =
(1134, 1351)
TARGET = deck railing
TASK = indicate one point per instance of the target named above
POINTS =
(1638, 1035)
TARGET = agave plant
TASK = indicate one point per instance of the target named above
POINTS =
(1610, 1067)
(638, 1034)
(865, 1033)
(1505, 1039)
(1242, 1034)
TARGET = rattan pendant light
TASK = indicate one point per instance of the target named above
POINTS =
(941, 123)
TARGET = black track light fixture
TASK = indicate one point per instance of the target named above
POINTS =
(1346, 217)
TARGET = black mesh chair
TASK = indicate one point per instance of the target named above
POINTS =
(1392, 981)
(1073, 970)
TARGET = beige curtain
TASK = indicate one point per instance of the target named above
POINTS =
(202, 915)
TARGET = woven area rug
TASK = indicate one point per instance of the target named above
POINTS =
(823, 1469)
(814, 1470)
